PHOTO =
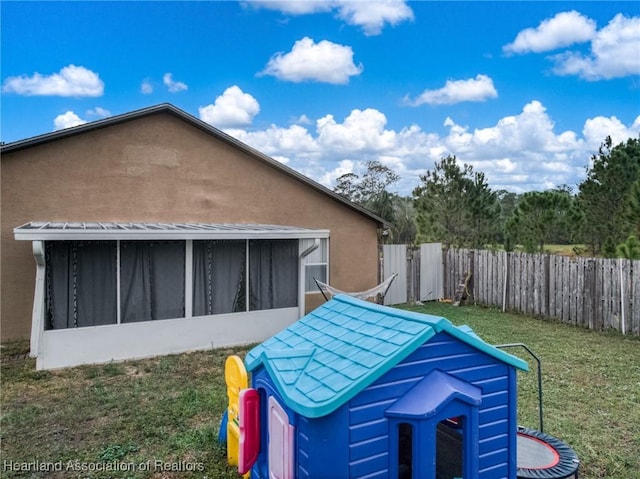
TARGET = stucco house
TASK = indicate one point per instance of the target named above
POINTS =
(152, 232)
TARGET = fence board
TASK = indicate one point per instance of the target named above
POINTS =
(634, 304)
(578, 269)
(530, 278)
(551, 289)
(482, 268)
(538, 294)
(499, 277)
(394, 260)
(606, 296)
(431, 277)
(565, 280)
(518, 278)
(524, 280)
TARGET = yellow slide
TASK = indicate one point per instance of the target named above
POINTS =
(235, 376)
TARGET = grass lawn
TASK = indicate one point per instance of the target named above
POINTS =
(158, 418)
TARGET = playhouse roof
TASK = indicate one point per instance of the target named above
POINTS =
(331, 354)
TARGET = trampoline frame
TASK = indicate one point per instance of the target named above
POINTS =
(566, 466)
(539, 363)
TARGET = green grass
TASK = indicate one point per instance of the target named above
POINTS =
(567, 249)
(167, 410)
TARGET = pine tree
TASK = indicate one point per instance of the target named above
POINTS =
(455, 206)
(602, 196)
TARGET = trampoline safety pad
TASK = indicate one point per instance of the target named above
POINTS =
(541, 456)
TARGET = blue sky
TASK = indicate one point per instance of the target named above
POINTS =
(523, 91)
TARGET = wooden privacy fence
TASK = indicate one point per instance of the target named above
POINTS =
(595, 293)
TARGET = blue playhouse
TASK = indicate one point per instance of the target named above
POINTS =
(356, 389)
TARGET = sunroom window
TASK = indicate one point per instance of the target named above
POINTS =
(81, 284)
(273, 274)
(151, 280)
(219, 280)
(86, 285)
(316, 264)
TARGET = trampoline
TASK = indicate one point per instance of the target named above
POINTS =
(541, 456)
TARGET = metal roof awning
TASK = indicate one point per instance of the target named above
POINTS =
(60, 231)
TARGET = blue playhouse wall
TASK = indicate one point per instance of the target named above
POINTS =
(355, 439)
(496, 419)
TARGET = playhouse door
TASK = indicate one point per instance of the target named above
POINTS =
(281, 453)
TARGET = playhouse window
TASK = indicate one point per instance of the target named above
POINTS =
(405, 451)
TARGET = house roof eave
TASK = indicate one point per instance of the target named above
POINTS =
(205, 127)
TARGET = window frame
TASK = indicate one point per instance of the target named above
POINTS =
(323, 251)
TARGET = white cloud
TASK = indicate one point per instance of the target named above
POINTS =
(67, 120)
(336, 148)
(613, 49)
(615, 53)
(324, 61)
(146, 88)
(294, 141)
(520, 152)
(303, 120)
(479, 88)
(72, 80)
(172, 85)
(597, 129)
(531, 130)
(563, 30)
(361, 131)
(329, 177)
(233, 108)
(371, 16)
(99, 112)
(294, 7)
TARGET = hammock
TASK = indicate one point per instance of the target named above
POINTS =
(377, 292)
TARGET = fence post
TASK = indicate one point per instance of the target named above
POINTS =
(411, 274)
(505, 279)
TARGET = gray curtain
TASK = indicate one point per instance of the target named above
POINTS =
(80, 283)
(273, 274)
(81, 280)
(151, 280)
(218, 277)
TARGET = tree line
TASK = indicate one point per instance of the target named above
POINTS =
(454, 205)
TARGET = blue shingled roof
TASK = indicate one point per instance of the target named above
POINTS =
(331, 354)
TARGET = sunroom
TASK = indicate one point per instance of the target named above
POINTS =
(113, 291)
